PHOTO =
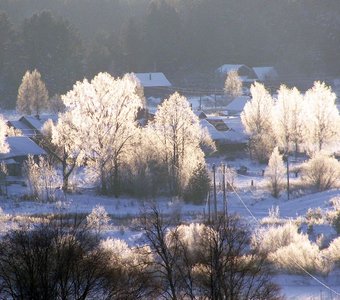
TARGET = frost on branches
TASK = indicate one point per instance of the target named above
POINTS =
(322, 120)
(101, 116)
(288, 118)
(4, 147)
(32, 94)
(177, 137)
(233, 85)
(275, 173)
(256, 118)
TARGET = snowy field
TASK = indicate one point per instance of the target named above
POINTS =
(249, 200)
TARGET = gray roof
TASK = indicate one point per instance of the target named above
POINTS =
(21, 146)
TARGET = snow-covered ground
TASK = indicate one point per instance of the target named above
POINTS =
(249, 199)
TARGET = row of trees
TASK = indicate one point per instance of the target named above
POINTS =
(120, 37)
(99, 129)
(62, 259)
(293, 121)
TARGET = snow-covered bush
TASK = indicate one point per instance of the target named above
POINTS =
(273, 217)
(322, 171)
(289, 250)
(333, 250)
(42, 179)
(120, 254)
(315, 215)
(301, 255)
(269, 239)
(98, 219)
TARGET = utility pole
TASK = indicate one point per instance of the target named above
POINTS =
(215, 198)
(287, 160)
(225, 210)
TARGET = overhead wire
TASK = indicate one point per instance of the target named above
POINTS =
(290, 257)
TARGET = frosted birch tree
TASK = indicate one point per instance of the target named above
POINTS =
(233, 85)
(322, 120)
(177, 137)
(4, 147)
(65, 144)
(103, 115)
(275, 173)
(288, 118)
(32, 94)
(257, 120)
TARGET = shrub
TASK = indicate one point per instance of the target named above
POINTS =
(321, 171)
(98, 219)
(270, 239)
(301, 254)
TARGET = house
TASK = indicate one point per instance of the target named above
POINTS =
(246, 74)
(20, 148)
(265, 74)
(155, 84)
(236, 106)
(31, 126)
(227, 132)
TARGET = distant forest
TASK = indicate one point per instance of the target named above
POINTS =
(67, 40)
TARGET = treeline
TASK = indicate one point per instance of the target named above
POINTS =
(170, 36)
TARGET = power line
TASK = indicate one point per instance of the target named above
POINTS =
(290, 257)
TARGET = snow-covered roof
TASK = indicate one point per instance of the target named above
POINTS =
(265, 73)
(234, 135)
(237, 104)
(152, 79)
(224, 69)
(21, 146)
(31, 125)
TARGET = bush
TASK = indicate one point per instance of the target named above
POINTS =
(198, 186)
(270, 239)
(322, 172)
(299, 254)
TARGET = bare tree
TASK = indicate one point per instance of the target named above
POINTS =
(213, 261)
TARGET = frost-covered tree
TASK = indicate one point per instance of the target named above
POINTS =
(32, 94)
(42, 178)
(288, 118)
(103, 114)
(322, 120)
(65, 144)
(98, 219)
(275, 173)
(233, 85)
(256, 118)
(177, 137)
(4, 147)
(321, 171)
